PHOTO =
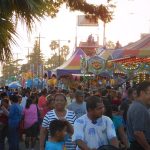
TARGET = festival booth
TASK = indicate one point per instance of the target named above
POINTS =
(72, 66)
(132, 60)
(129, 63)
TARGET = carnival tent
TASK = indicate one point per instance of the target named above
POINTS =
(139, 49)
(72, 66)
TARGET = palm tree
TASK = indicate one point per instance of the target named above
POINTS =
(54, 46)
(64, 51)
(28, 11)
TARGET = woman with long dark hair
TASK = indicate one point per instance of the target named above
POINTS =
(30, 114)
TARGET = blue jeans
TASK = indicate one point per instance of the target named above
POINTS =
(13, 138)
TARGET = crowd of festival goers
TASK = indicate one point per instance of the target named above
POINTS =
(76, 119)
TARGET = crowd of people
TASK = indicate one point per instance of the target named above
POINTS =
(76, 119)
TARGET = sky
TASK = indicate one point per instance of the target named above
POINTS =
(131, 18)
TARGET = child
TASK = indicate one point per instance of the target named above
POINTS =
(58, 133)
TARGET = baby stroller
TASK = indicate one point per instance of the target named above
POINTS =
(108, 147)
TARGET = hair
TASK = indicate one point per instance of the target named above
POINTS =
(14, 98)
(108, 111)
(3, 94)
(60, 94)
(130, 91)
(44, 91)
(6, 100)
(92, 101)
(142, 87)
(29, 102)
(49, 98)
(56, 126)
(34, 96)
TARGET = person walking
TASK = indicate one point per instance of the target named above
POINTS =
(93, 129)
(30, 115)
(138, 119)
(61, 113)
(78, 106)
(14, 118)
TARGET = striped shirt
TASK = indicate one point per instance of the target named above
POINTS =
(70, 117)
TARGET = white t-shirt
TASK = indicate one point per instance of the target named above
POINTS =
(94, 135)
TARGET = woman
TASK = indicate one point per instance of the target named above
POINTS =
(30, 114)
(59, 112)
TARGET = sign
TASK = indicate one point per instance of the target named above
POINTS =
(96, 65)
(84, 21)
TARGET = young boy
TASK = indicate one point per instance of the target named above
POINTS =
(58, 133)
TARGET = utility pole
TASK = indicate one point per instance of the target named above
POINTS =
(104, 35)
(28, 52)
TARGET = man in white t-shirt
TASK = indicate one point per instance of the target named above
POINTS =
(93, 130)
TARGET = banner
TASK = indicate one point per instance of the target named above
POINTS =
(84, 21)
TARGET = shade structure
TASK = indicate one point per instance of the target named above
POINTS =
(72, 66)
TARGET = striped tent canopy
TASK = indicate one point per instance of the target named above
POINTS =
(139, 49)
(72, 66)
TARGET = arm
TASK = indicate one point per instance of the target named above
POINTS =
(82, 145)
(123, 136)
(43, 133)
(140, 137)
(114, 142)
(6, 112)
(111, 133)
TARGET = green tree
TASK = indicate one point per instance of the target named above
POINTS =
(28, 11)
(64, 51)
(36, 59)
(54, 46)
(10, 68)
(59, 56)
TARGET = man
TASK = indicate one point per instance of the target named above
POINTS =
(93, 130)
(78, 106)
(131, 95)
(138, 119)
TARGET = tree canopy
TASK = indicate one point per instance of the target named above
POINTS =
(28, 11)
